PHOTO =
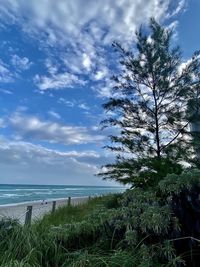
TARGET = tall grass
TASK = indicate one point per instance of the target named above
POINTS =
(133, 229)
(45, 243)
(68, 214)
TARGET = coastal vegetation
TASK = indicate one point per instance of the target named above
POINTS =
(157, 221)
(154, 227)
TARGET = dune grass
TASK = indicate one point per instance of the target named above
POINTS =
(41, 245)
(133, 229)
(69, 214)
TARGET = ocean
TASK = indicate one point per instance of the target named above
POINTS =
(16, 193)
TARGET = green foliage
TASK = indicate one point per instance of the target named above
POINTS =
(174, 184)
(151, 95)
(68, 214)
(137, 228)
(112, 201)
(61, 239)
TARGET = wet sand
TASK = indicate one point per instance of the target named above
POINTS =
(18, 210)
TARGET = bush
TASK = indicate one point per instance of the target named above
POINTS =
(156, 227)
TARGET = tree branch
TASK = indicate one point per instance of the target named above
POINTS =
(175, 137)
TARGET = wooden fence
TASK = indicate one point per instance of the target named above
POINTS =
(29, 210)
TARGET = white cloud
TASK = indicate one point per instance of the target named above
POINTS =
(82, 34)
(32, 127)
(87, 62)
(54, 114)
(22, 161)
(74, 103)
(68, 103)
(179, 7)
(78, 154)
(52, 68)
(101, 74)
(57, 81)
(21, 63)
(5, 91)
(84, 106)
(104, 92)
(6, 75)
(41, 153)
(104, 89)
(185, 64)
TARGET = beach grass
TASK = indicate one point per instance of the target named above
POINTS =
(132, 229)
(45, 244)
(70, 213)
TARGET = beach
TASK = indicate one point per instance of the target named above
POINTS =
(14, 198)
(39, 208)
(19, 193)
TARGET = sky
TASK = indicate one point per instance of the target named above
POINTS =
(56, 61)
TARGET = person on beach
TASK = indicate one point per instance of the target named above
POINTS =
(43, 202)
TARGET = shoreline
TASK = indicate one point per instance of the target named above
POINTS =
(39, 209)
(39, 201)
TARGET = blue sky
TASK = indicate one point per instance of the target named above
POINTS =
(55, 66)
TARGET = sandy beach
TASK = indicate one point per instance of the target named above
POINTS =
(18, 210)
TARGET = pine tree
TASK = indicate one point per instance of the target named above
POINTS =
(150, 101)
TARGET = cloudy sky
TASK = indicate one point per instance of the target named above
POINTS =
(55, 66)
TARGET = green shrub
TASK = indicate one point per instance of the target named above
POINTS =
(137, 228)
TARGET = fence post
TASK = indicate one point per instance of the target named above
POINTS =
(69, 201)
(28, 215)
(53, 206)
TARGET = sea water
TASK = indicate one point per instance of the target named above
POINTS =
(15, 193)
